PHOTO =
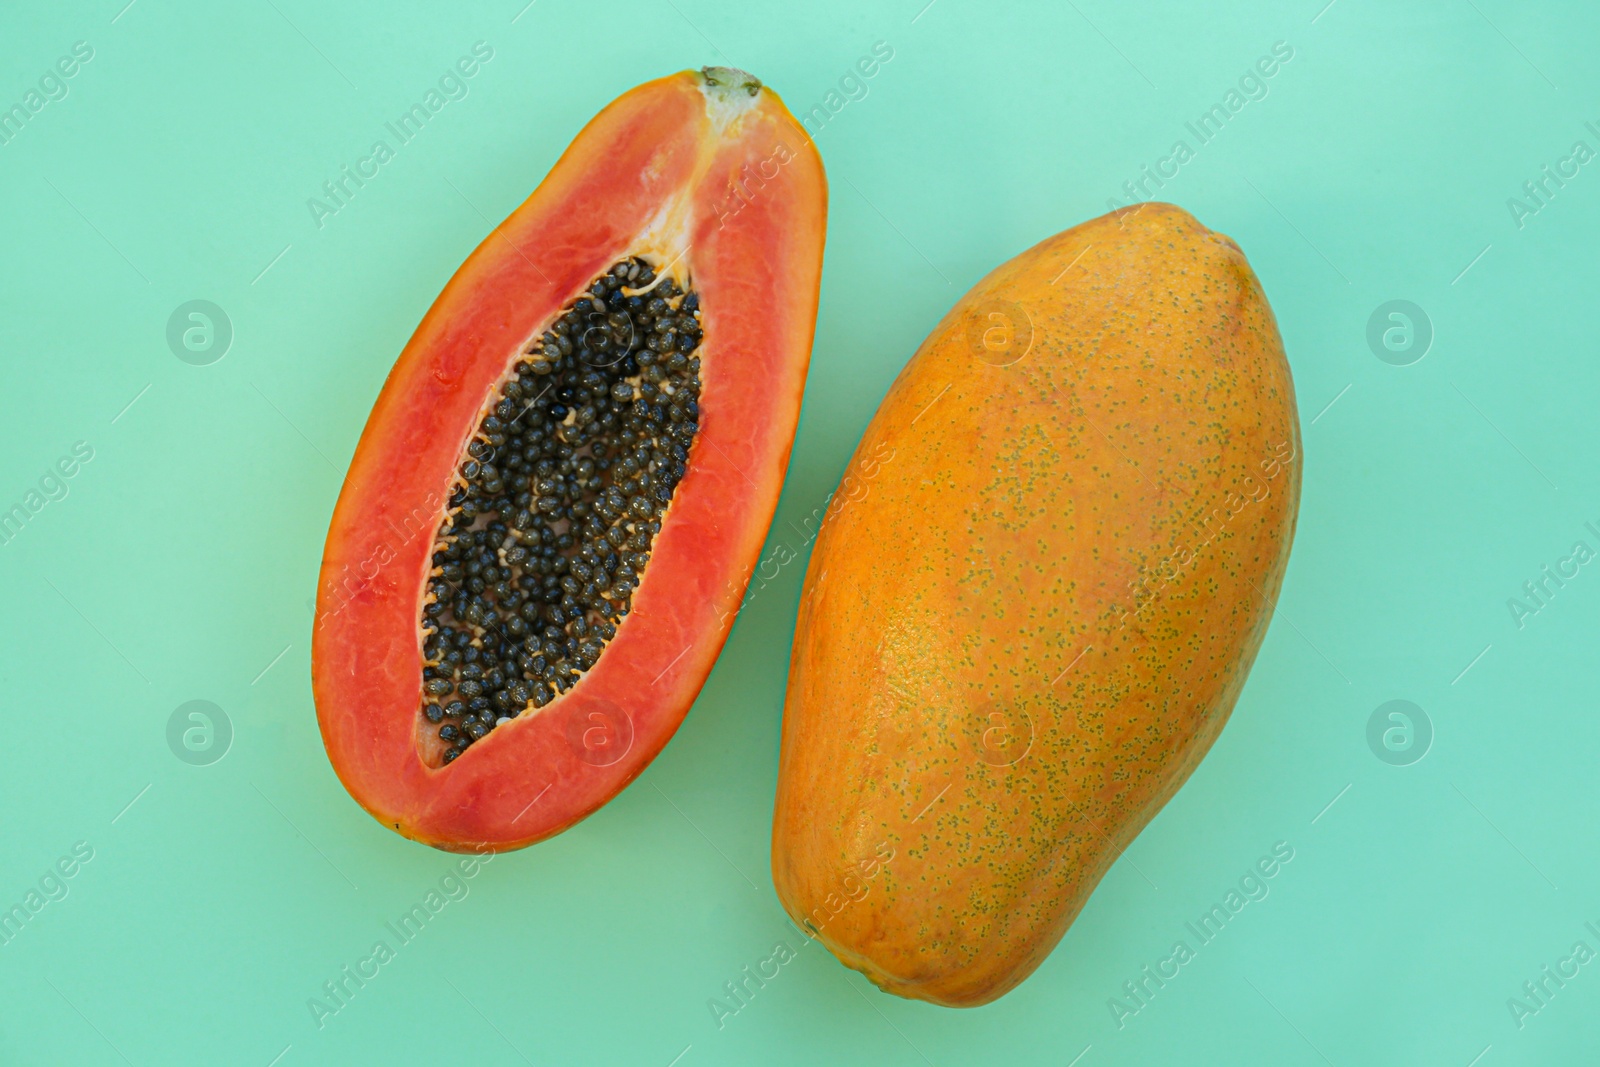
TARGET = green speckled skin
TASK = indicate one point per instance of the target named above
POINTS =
(1034, 601)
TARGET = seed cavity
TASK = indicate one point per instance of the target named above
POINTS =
(556, 503)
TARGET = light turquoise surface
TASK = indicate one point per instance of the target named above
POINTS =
(179, 565)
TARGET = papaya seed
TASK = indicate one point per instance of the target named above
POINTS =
(526, 589)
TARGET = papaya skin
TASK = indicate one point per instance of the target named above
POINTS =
(1016, 646)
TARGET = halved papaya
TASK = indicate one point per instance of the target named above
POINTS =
(562, 489)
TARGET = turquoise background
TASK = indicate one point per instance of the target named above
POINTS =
(180, 564)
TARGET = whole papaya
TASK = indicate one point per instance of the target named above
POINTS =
(1031, 607)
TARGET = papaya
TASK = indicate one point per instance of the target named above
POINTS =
(1030, 618)
(565, 481)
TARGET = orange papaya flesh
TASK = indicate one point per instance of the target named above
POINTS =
(472, 692)
(1021, 638)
